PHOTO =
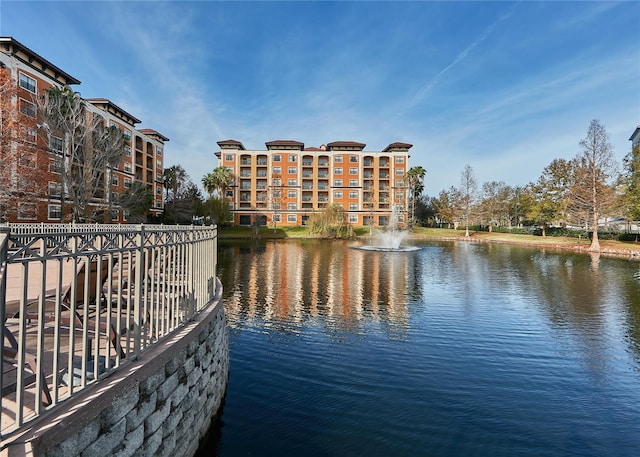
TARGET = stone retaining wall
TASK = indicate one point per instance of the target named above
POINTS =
(160, 405)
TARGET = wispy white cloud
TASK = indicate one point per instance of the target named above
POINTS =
(428, 86)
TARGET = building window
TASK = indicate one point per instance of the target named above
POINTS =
(277, 182)
(400, 183)
(337, 171)
(337, 159)
(276, 157)
(31, 136)
(353, 218)
(337, 195)
(159, 164)
(27, 108)
(353, 195)
(158, 203)
(56, 145)
(291, 206)
(292, 170)
(127, 167)
(337, 183)
(28, 83)
(399, 159)
(55, 189)
(353, 207)
(291, 194)
(115, 181)
(292, 218)
(276, 218)
(27, 160)
(277, 170)
(53, 212)
(291, 182)
(159, 150)
(353, 183)
(353, 171)
(228, 157)
(158, 190)
(127, 183)
(293, 158)
(228, 193)
(56, 165)
(399, 171)
(353, 159)
(114, 197)
(27, 211)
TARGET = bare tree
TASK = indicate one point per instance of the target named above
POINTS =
(592, 195)
(64, 113)
(109, 147)
(468, 189)
(20, 153)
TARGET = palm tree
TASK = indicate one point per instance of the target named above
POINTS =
(218, 180)
(415, 184)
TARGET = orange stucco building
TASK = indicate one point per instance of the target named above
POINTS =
(43, 153)
(288, 182)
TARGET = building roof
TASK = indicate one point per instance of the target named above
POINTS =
(13, 46)
(112, 108)
(354, 145)
(276, 143)
(313, 148)
(397, 145)
(231, 143)
(635, 136)
(151, 132)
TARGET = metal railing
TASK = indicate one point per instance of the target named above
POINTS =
(77, 301)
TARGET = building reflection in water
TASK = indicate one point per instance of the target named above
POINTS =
(295, 281)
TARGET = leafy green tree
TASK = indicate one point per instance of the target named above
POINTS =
(494, 203)
(218, 210)
(551, 194)
(175, 178)
(330, 223)
(446, 206)
(186, 204)
(630, 184)
(137, 201)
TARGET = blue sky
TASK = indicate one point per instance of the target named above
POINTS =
(505, 87)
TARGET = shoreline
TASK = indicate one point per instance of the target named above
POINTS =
(607, 247)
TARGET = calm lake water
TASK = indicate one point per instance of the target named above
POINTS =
(458, 349)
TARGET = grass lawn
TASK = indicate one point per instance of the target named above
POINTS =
(577, 244)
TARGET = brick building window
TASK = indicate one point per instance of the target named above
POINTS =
(28, 83)
(27, 211)
(53, 212)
